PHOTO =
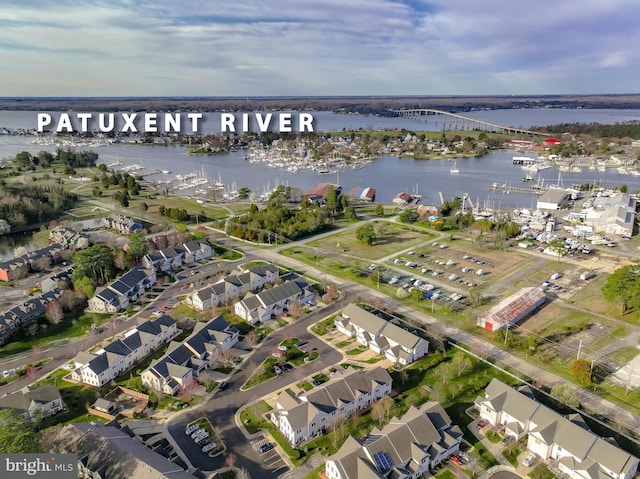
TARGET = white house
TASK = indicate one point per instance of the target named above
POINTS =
(311, 413)
(103, 365)
(121, 292)
(31, 403)
(406, 448)
(381, 336)
(565, 441)
(233, 287)
(260, 307)
(183, 363)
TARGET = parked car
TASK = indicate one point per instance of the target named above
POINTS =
(209, 447)
(203, 442)
(191, 429)
(529, 460)
(456, 460)
(507, 440)
(267, 446)
(464, 456)
(482, 423)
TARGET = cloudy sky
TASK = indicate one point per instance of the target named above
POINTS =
(319, 47)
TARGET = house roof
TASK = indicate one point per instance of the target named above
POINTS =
(115, 454)
(22, 400)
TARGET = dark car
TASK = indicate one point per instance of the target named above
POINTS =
(222, 385)
(267, 446)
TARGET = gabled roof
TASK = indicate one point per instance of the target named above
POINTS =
(22, 400)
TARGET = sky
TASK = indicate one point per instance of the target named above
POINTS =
(318, 47)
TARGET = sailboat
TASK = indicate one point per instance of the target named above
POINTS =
(454, 168)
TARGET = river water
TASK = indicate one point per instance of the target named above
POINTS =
(388, 175)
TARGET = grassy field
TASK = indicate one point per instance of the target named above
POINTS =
(590, 297)
(394, 238)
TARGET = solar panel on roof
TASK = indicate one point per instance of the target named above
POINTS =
(383, 461)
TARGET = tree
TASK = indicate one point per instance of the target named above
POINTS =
(558, 247)
(243, 193)
(137, 246)
(366, 234)
(53, 312)
(623, 286)
(381, 410)
(332, 201)
(43, 263)
(565, 394)
(95, 262)
(337, 426)
(409, 216)
(379, 210)
(581, 370)
(461, 363)
(231, 460)
(17, 435)
(623, 189)
(251, 338)
(243, 474)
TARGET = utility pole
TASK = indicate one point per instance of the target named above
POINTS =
(579, 350)
(506, 335)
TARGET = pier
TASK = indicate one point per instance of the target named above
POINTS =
(506, 189)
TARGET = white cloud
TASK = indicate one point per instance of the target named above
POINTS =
(303, 47)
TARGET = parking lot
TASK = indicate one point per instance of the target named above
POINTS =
(269, 455)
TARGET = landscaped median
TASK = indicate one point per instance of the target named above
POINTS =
(288, 352)
(203, 423)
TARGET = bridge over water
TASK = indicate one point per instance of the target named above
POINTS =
(455, 122)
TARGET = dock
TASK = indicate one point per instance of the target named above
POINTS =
(506, 189)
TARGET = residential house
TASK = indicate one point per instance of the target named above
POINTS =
(123, 291)
(33, 403)
(406, 448)
(68, 237)
(312, 412)
(55, 281)
(196, 251)
(111, 452)
(182, 364)
(564, 442)
(107, 363)
(22, 265)
(123, 224)
(233, 286)
(260, 307)
(381, 336)
(25, 313)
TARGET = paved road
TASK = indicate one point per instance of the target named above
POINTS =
(221, 409)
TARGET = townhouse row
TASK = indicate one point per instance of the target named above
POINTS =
(406, 448)
(566, 442)
(106, 364)
(13, 320)
(183, 362)
(381, 336)
(171, 258)
(312, 413)
(123, 291)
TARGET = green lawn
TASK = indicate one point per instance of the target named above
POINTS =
(323, 327)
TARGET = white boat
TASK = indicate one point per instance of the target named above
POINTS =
(528, 178)
(454, 169)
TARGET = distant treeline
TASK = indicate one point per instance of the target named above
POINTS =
(618, 130)
(381, 105)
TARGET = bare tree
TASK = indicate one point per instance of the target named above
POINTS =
(31, 329)
(295, 308)
(53, 312)
(231, 460)
(251, 338)
(404, 376)
(337, 426)
(243, 474)
(381, 410)
(43, 263)
(461, 363)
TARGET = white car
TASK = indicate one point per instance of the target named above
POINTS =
(209, 447)
(529, 460)
(191, 429)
